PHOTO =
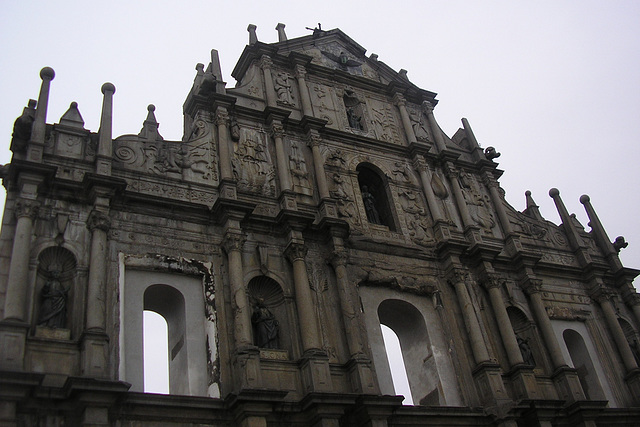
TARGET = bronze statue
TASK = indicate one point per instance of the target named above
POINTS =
(525, 350)
(53, 308)
(265, 326)
(370, 206)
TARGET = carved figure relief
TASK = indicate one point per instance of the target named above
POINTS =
(420, 229)
(283, 88)
(346, 206)
(251, 162)
(419, 125)
(478, 203)
(382, 123)
(299, 173)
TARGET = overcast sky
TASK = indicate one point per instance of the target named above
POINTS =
(553, 85)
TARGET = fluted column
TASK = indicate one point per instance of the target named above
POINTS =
(318, 163)
(105, 140)
(232, 243)
(603, 296)
(266, 65)
(533, 288)
(296, 253)
(14, 306)
(347, 306)
(300, 73)
(224, 149)
(39, 129)
(401, 103)
(277, 131)
(453, 174)
(427, 107)
(99, 224)
(478, 346)
(509, 339)
(425, 178)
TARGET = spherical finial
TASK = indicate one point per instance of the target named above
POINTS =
(527, 193)
(108, 87)
(584, 199)
(47, 73)
(151, 108)
(554, 192)
(74, 104)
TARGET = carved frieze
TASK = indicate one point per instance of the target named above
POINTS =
(174, 192)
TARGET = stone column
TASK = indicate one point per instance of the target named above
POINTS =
(478, 346)
(99, 223)
(233, 242)
(632, 299)
(300, 73)
(277, 130)
(492, 284)
(318, 163)
(425, 178)
(39, 128)
(17, 282)
(105, 142)
(266, 64)
(435, 129)
(603, 297)
(347, 306)
(311, 342)
(452, 174)
(401, 103)
(224, 149)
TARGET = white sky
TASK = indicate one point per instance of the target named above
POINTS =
(553, 85)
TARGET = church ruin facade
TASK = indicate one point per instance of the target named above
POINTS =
(303, 209)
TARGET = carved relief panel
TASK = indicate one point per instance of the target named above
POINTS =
(252, 162)
(300, 169)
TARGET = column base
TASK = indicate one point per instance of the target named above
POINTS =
(568, 384)
(13, 338)
(491, 389)
(95, 354)
(361, 376)
(316, 375)
(247, 368)
(633, 381)
(524, 382)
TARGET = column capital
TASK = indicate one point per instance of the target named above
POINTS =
(27, 208)
(339, 257)
(427, 107)
(233, 241)
(266, 63)
(450, 170)
(602, 294)
(221, 117)
(277, 129)
(314, 139)
(420, 164)
(296, 251)
(492, 280)
(457, 275)
(632, 299)
(98, 220)
(300, 72)
(489, 180)
(531, 286)
(398, 99)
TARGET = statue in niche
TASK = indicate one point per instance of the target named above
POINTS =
(525, 350)
(370, 208)
(283, 88)
(265, 326)
(353, 107)
(53, 306)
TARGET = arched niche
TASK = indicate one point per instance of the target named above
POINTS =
(270, 318)
(528, 340)
(376, 196)
(56, 294)
(179, 299)
(582, 362)
(425, 352)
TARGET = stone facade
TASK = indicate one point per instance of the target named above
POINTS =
(305, 207)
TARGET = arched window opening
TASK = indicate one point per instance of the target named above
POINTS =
(583, 364)
(409, 326)
(156, 353)
(396, 364)
(375, 197)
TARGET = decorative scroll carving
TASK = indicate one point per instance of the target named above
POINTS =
(346, 205)
(477, 202)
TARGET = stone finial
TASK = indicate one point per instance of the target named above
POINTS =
(38, 130)
(282, 36)
(253, 37)
(619, 243)
(72, 118)
(403, 74)
(105, 143)
(532, 209)
(374, 57)
(149, 131)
